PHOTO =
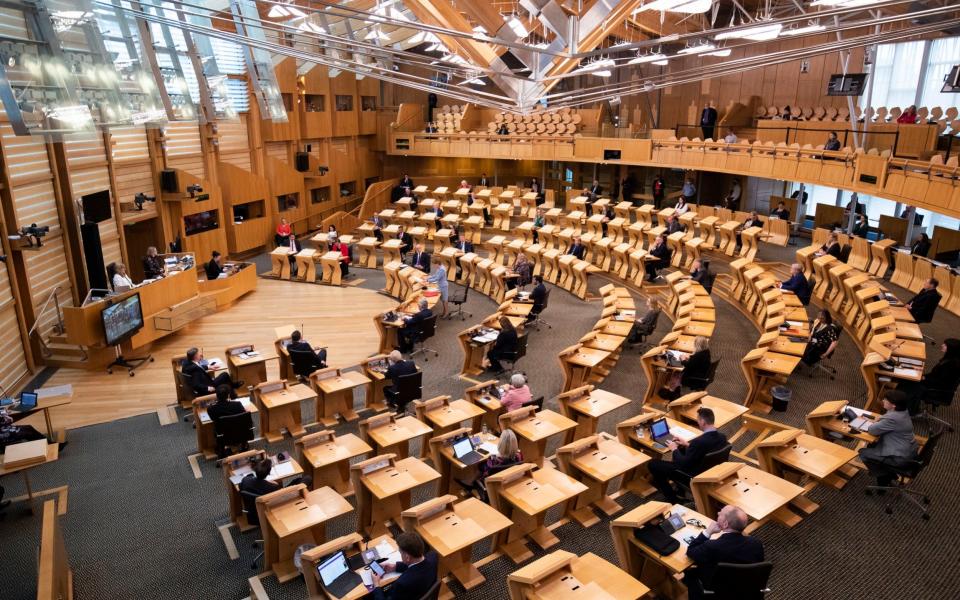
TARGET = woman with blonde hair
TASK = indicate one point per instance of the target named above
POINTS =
(696, 369)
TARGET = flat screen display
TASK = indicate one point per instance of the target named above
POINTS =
(851, 84)
(122, 319)
(207, 220)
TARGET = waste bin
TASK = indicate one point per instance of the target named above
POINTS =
(781, 398)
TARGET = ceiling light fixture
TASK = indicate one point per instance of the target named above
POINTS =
(699, 49)
(680, 6)
(516, 25)
(759, 33)
(647, 58)
(723, 52)
(803, 30)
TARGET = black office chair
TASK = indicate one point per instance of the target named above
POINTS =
(739, 582)
(697, 384)
(235, 431)
(183, 382)
(537, 403)
(708, 280)
(824, 365)
(304, 362)
(458, 299)
(643, 332)
(434, 592)
(425, 330)
(710, 460)
(408, 388)
(845, 253)
(932, 400)
(249, 502)
(480, 485)
(511, 357)
(923, 320)
(907, 477)
(538, 321)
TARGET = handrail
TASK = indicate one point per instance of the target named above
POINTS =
(43, 310)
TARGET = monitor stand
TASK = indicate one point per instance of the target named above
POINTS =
(131, 364)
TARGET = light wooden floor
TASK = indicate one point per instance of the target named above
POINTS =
(339, 318)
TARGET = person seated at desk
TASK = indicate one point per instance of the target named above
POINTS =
(608, 215)
(895, 445)
(833, 143)
(661, 252)
(508, 455)
(507, 341)
(420, 260)
(215, 267)
(576, 248)
(344, 250)
(921, 245)
(225, 407)
(332, 235)
(831, 247)
(681, 207)
(861, 227)
(696, 368)
(909, 116)
(781, 212)
(119, 279)
(942, 378)
(153, 266)
(283, 232)
(256, 483)
(523, 270)
(798, 284)
(687, 458)
(201, 382)
(406, 240)
(823, 338)
(648, 321)
(295, 247)
(700, 272)
(517, 395)
(594, 191)
(673, 224)
(537, 189)
(487, 219)
(439, 278)
(406, 182)
(503, 129)
(538, 222)
(397, 369)
(732, 546)
(298, 344)
(418, 570)
(484, 180)
(731, 137)
(437, 211)
(378, 226)
(752, 221)
(411, 325)
(538, 296)
(924, 304)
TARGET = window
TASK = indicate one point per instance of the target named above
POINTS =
(315, 103)
(248, 210)
(896, 74)
(368, 103)
(944, 54)
(320, 195)
(287, 202)
(200, 222)
(344, 103)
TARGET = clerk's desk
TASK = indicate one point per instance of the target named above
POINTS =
(53, 453)
(206, 432)
(595, 461)
(351, 544)
(586, 405)
(562, 575)
(291, 517)
(534, 429)
(443, 414)
(279, 404)
(524, 493)
(167, 305)
(236, 466)
(661, 573)
(47, 398)
(761, 495)
(388, 433)
(450, 468)
(452, 529)
(326, 458)
(383, 486)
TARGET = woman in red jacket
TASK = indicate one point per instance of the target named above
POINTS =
(344, 250)
(908, 116)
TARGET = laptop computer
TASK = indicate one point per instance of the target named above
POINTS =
(463, 450)
(28, 402)
(336, 576)
(660, 431)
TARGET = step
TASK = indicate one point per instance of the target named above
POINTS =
(75, 362)
(57, 339)
(65, 349)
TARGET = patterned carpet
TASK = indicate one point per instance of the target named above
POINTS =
(141, 526)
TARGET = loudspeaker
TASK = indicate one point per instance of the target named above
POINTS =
(93, 256)
(302, 162)
(169, 182)
(611, 155)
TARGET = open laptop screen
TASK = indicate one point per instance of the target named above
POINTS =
(659, 428)
(462, 447)
(333, 567)
(28, 399)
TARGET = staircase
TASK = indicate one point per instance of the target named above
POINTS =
(60, 353)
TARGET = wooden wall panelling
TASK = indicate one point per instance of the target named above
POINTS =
(131, 170)
(345, 122)
(944, 240)
(286, 74)
(234, 147)
(182, 148)
(316, 94)
(239, 186)
(87, 172)
(370, 88)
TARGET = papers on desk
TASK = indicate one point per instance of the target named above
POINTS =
(214, 363)
(249, 354)
(683, 433)
(245, 401)
(485, 336)
(281, 470)
(795, 324)
(907, 373)
(386, 551)
(489, 447)
(909, 362)
(55, 390)
(239, 473)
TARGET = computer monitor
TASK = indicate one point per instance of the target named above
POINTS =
(659, 428)
(333, 567)
(462, 447)
(122, 319)
(27, 400)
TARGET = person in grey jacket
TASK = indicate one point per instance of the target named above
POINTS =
(895, 445)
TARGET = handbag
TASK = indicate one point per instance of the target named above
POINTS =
(655, 538)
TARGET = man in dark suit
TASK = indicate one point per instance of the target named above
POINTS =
(708, 121)
(411, 325)
(781, 212)
(418, 570)
(397, 369)
(798, 284)
(674, 225)
(406, 240)
(420, 260)
(406, 182)
(298, 344)
(576, 248)
(687, 456)
(924, 304)
(214, 267)
(201, 381)
(484, 181)
(224, 406)
(661, 252)
(257, 485)
(295, 247)
(594, 190)
(537, 296)
(731, 547)
(463, 245)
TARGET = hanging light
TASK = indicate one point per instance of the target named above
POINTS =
(277, 11)
(699, 49)
(760, 33)
(803, 30)
(647, 58)
(722, 52)
(661, 63)
(516, 25)
(680, 6)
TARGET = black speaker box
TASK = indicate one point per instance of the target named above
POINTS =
(302, 162)
(169, 182)
(93, 256)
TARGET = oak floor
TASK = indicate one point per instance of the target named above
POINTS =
(339, 318)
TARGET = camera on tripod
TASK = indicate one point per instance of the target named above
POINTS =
(140, 198)
(33, 233)
(193, 189)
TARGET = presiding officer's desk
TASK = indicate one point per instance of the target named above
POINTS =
(562, 575)
(238, 466)
(351, 545)
(384, 486)
(206, 432)
(294, 516)
(326, 458)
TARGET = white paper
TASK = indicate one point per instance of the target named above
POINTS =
(491, 448)
(683, 433)
(245, 401)
(55, 390)
(279, 471)
(384, 549)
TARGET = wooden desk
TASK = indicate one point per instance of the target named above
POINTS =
(306, 263)
(279, 404)
(55, 578)
(53, 453)
(383, 486)
(792, 454)
(47, 398)
(586, 405)
(291, 517)
(388, 434)
(581, 364)
(250, 370)
(595, 461)
(446, 462)
(827, 417)
(336, 396)
(327, 456)
(280, 261)
(563, 575)
(534, 429)
(452, 530)
(685, 408)
(524, 494)
(206, 432)
(443, 414)
(237, 466)
(351, 545)
(474, 352)
(330, 263)
(760, 494)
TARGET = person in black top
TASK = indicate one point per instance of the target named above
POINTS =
(576, 248)
(674, 225)
(201, 382)
(823, 338)
(661, 251)
(298, 344)
(924, 304)
(224, 406)
(410, 325)
(484, 181)
(731, 547)
(406, 240)
(708, 121)
(256, 483)
(537, 296)
(152, 264)
(781, 212)
(397, 369)
(943, 377)
(507, 341)
(687, 458)
(214, 267)
(418, 570)
(832, 247)
(659, 190)
(594, 190)
(700, 272)
(921, 245)
(833, 143)
(407, 182)
(696, 368)
(861, 227)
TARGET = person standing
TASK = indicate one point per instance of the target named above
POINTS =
(659, 190)
(708, 121)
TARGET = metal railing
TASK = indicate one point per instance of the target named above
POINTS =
(58, 326)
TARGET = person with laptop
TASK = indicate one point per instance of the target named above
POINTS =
(731, 546)
(418, 570)
(508, 454)
(518, 394)
(397, 369)
(688, 457)
(895, 445)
